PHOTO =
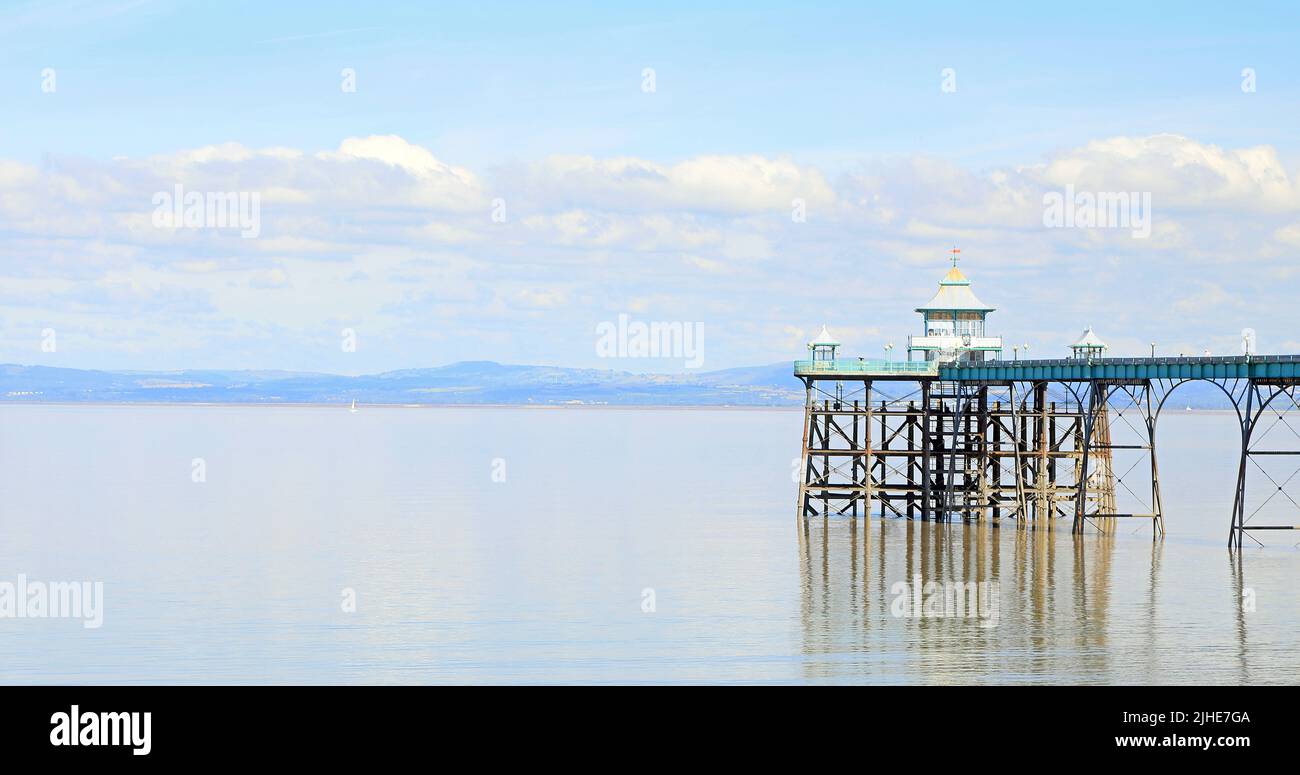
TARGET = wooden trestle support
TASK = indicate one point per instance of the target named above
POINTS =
(973, 451)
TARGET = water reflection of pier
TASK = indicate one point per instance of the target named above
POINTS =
(1053, 603)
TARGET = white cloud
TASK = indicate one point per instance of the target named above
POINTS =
(391, 149)
(725, 184)
(1178, 171)
(269, 278)
(382, 231)
(1289, 234)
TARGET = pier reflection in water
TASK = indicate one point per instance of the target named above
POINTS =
(1066, 608)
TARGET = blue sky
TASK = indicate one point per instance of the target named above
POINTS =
(502, 80)
(542, 107)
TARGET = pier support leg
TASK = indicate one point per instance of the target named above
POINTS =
(805, 465)
(911, 461)
(1239, 498)
(1045, 473)
(1157, 506)
(826, 458)
(868, 464)
(1081, 496)
(925, 451)
(855, 464)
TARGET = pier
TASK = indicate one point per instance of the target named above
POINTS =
(952, 433)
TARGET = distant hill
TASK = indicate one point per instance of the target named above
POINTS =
(469, 382)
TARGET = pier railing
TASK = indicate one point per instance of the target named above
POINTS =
(1102, 369)
(1063, 369)
(853, 366)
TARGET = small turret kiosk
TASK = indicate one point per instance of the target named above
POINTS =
(1088, 347)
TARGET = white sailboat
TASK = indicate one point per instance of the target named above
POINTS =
(353, 408)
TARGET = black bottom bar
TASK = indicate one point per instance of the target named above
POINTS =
(369, 725)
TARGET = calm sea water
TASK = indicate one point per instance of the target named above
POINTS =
(545, 576)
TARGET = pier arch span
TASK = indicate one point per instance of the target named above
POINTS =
(1250, 400)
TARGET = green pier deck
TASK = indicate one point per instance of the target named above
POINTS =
(1255, 367)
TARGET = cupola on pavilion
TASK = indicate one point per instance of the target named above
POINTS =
(954, 323)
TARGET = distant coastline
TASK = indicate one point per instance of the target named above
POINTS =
(332, 406)
(470, 383)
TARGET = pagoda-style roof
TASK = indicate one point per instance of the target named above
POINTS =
(824, 339)
(955, 295)
(1088, 339)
